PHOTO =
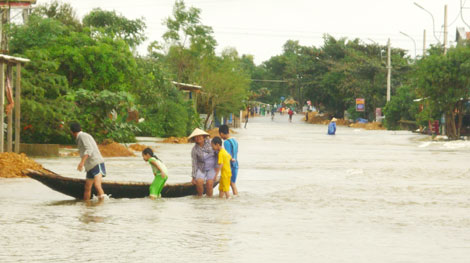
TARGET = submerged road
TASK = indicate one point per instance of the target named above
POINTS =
(358, 196)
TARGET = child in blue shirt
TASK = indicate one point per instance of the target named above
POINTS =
(231, 146)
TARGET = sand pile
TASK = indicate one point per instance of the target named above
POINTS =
(110, 148)
(114, 149)
(215, 132)
(178, 140)
(11, 164)
(139, 147)
(315, 118)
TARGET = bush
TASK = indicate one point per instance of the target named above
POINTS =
(401, 107)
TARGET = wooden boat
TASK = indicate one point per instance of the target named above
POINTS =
(74, 187)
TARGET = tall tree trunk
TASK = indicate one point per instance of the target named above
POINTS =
(460, 117)
(207, 120)
(450, 126)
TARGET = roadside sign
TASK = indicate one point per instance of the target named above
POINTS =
(360, 104)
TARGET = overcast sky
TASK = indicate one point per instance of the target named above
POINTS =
(261, 27)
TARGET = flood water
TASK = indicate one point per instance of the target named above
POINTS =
(359, 196)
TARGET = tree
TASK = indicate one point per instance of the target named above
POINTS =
(117, 26)
(443, 80)
(72, 74)
(225, 85)
(163, 107)
(62, 12)
(401, 107)
(187, 42)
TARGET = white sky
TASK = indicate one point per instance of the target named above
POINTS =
(261, 27)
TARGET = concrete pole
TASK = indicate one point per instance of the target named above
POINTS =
(424, 43)
(2, 99)
(389, 69)
(445, 29)
(17, 107)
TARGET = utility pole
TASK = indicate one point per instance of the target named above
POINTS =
(424, 43)
(389, 69)
(445, 29)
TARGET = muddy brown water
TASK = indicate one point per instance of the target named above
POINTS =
(359, 196)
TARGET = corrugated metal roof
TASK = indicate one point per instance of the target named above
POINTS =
(185, 86)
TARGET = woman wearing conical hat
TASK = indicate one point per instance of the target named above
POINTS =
(332, 126)
(204, 162)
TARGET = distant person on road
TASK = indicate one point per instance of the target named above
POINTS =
(224, 159)
(332, 126)
(247, 116)
(204, 162)
(290, 112)
(91, 159)
(160, 172)
(273, 112)
(231, 146)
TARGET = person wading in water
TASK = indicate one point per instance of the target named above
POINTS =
(204, 162)
(91, 159)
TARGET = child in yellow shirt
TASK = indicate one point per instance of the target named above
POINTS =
(224, 160)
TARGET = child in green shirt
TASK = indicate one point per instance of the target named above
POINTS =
(159, 171)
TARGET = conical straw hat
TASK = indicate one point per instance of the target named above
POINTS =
(334, 119)
(197, 132)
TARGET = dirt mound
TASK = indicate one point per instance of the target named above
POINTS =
(110, 149)
(139, 147)
(11, 164)
(368, 126)
(114, 149)
(215, 132)
(315, 118)
(178, 140)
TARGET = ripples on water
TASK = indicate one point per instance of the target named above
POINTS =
(359, 196)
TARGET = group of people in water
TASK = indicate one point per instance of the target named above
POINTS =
(209, 158)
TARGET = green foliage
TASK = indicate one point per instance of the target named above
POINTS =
(190, 58)
(187, 43)
(96, 64)
(333, 76)
(118, 131)
(38, 33)
(44, 108)
(185, 25)
(401, 107)
(62, 12)
(163, 107)
(443, 80)
(225, 85)
(96, 114)
(117, 26)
